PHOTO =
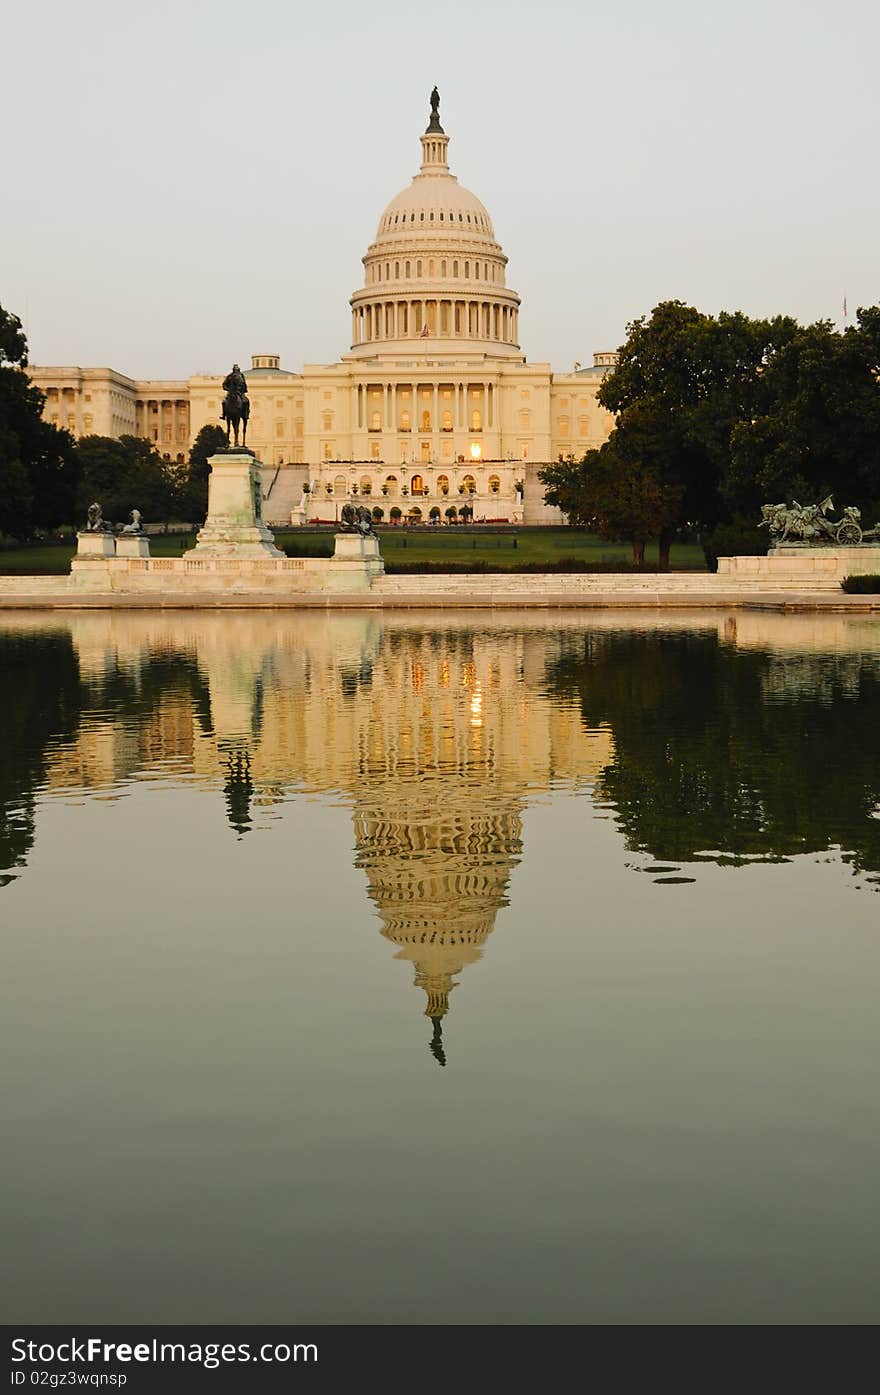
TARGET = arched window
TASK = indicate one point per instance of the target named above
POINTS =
(340, 485)
(426, 421)
(494, 484)
(418, 268)
(443, 270)
(447, 421)
(469, 484)
(415, 514)
(431, 268)
(443, 484)
(563, 426)
(476, 421)
(397, 271)
(467, 269)
(390, 484)
(404, 421)
(406, 270)
(455, 268)
(366, 484)
(417, 484)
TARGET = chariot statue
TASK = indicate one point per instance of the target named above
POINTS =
(811, 524)
(236, 404)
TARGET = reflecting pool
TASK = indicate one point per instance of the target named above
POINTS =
(362, 968)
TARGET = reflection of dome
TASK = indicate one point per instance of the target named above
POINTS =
(435, 270)
(438, 875)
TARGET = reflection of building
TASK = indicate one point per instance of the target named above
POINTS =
(435, 406)
(436, 737)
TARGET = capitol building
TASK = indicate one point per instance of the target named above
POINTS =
(434, 407)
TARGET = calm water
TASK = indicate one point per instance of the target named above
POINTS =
(423, 970)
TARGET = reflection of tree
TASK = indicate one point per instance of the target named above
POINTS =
(39, 702)
(725, 751)
(45, 698)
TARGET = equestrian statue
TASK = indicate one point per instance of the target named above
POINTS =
(236, 406)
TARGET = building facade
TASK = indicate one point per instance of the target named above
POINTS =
(434, 408)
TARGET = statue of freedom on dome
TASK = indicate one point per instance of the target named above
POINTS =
(434, 123)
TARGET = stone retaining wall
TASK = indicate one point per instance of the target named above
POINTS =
(197, 574)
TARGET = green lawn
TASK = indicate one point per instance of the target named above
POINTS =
(54, 560)
(461, 546)
(502, 548)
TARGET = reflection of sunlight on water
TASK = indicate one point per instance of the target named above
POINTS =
(477, 706)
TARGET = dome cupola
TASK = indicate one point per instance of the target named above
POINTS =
(434, 271)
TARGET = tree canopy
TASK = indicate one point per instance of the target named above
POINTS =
(724, 413)
(126, 474)
(38, 463)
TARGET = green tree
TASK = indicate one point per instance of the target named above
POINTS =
(38, 463)
(683, 383)
(194, 493)
(125, 474)
(614, 496)
(565, 488)
(815, 425)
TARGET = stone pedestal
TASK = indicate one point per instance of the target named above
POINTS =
(132, 545)
(807, 566)
(95, 545)
(298, 517)
(234, 526)
(355, 563)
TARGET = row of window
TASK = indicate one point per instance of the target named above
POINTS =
(416, 485)
(490, 271)
(444, 215)
(405, 423)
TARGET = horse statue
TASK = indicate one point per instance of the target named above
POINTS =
(236, 406)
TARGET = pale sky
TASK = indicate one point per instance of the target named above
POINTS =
(186, 184)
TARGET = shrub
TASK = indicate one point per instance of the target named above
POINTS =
(738, 538)
(867, 584)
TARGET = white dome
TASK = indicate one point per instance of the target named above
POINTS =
(435, 270)
(435, 204)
